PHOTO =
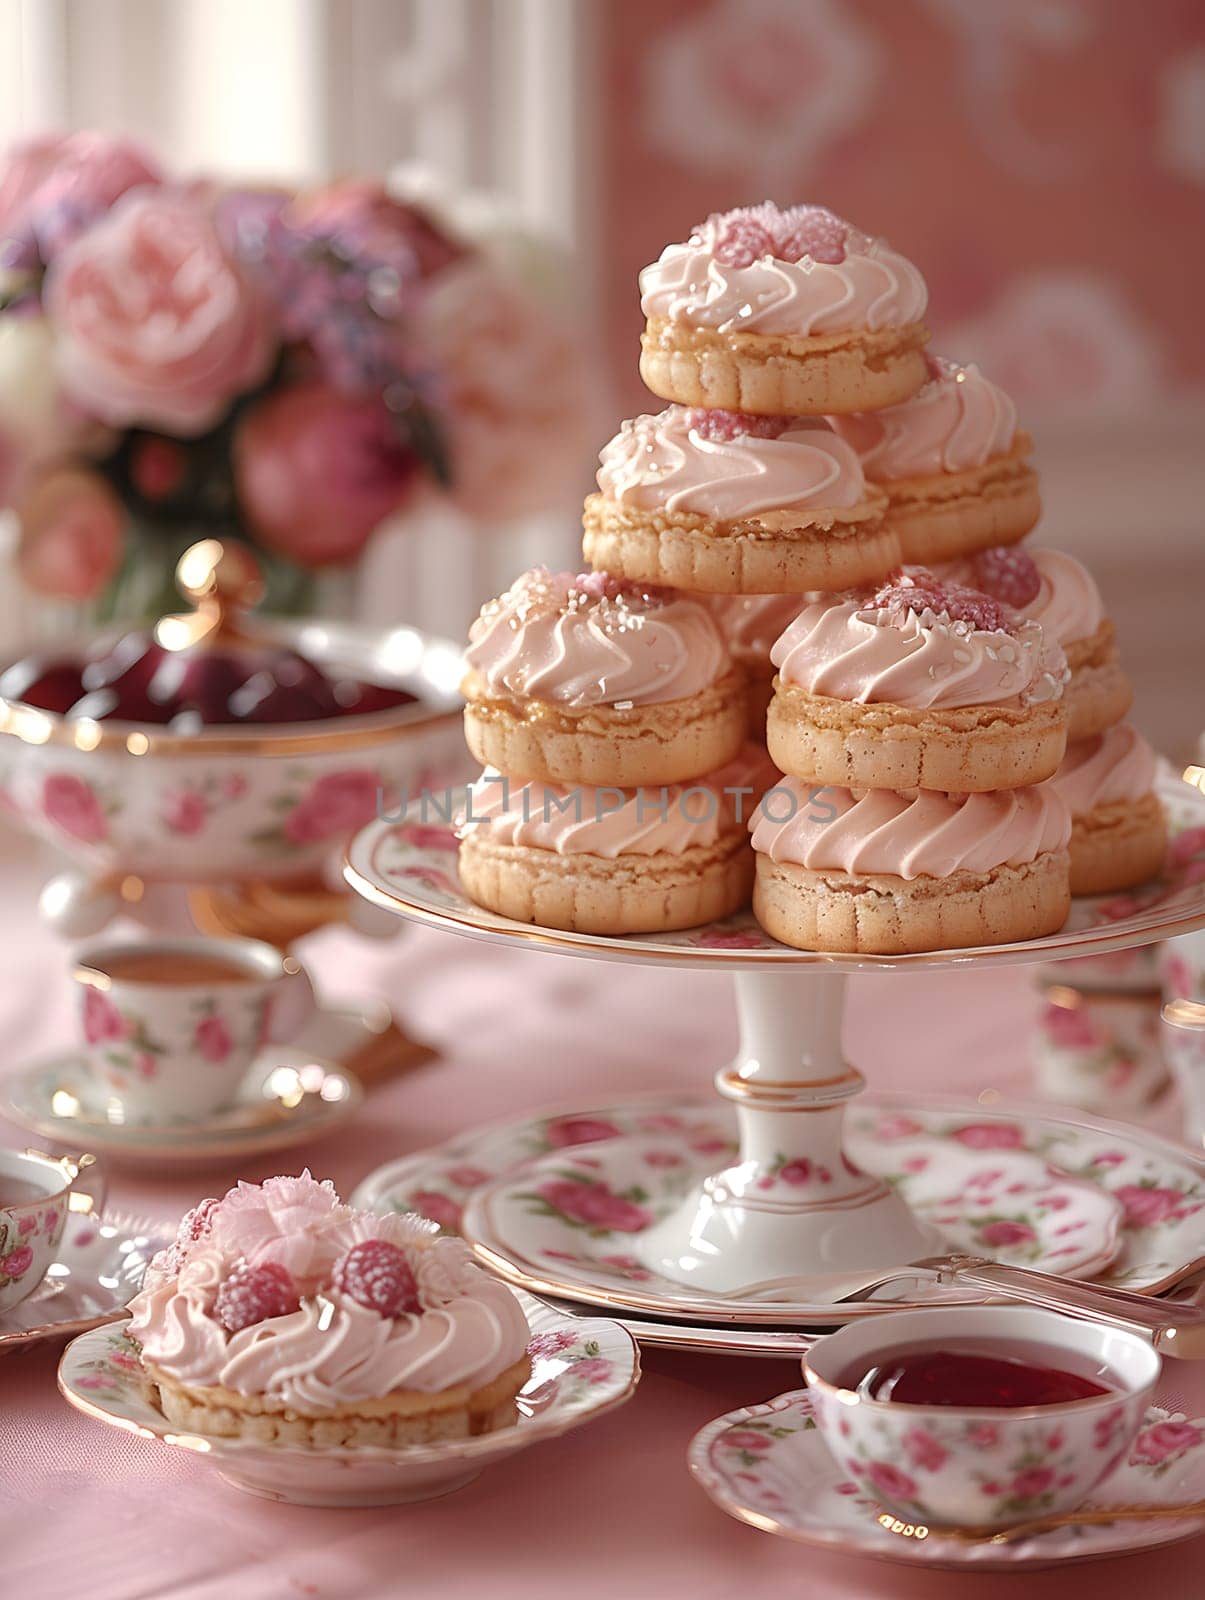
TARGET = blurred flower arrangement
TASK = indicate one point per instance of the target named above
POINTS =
(184, 359)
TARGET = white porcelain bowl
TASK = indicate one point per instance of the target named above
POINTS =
(972, 1466)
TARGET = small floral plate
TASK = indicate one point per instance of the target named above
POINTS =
(99, 1266)
(580, 1369)
(288, 1097)
(768, 1466)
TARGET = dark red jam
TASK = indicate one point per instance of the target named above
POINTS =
(1002, 1376)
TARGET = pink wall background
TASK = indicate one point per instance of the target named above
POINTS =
(1043, 161)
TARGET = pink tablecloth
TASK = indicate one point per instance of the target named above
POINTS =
(607, 1511)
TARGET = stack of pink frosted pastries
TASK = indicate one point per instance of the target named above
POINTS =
(611, 723)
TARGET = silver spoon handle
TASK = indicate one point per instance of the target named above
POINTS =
(1174, 1329)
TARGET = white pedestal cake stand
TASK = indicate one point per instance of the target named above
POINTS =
(741, 1231)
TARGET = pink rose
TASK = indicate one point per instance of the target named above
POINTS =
(27, 1224)
(336, 804)
(1006, 1233)
(429, 836)
(595, 1369)
(1144, 1207)
(369, 221)
(746, 1439)
(514, 402)
(72, 532)
(890, 1481)
(157, 325)
(184, 811)
(1070, 1027)
(595, 1205)
(317, 471)
(1033, 1481)
(551, 1344)
(467, 1177)
(565, 1131)
(983, 1434)
(213, 1040)
(897, 1128)
(71, 804)
(53, 187)
(990, 1136)
(662, 1158)
(17, 1262)
(102, 1020)
(924, 1451)
(796, 1172)
(145, 1064)
(1164, 1439)
(234, 786)
(437, 1207)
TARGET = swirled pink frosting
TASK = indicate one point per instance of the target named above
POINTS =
(752, 622)
(1068, 603)
(591, 641)
(918, 834)
(617, 822)
(858, 651)
(1112, 766)
(858, 283)
(666, 462)
(957, 420)
(331, 1351)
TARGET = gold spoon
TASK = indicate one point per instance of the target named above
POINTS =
(1086, 1516)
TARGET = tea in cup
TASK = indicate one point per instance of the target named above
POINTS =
(36, 1194)
(170, 1027)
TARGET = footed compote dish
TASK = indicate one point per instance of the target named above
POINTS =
(217, 749)
(792, 1209)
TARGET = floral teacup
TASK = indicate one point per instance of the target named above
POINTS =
(978, 1466)
(170, 1027)
(36, 1193)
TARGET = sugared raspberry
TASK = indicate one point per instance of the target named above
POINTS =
(812, 231)
(195, 1224)
(377, 1275)
(1008, 573)
(721, 427)
(920, 591)
(740, 237)
(253, 1294)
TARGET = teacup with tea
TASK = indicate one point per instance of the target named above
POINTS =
(170, 1027)
(37, 1192)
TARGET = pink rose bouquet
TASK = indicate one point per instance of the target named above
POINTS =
(293, 369)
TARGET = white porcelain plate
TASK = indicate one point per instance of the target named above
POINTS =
(581, 1368)
(768, 1466)
(99, 1266)
(1007, 1180)
(288, 1097)
(409, 867)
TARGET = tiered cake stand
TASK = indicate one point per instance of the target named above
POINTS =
(741, 1242)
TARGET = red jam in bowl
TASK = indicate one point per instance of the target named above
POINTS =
(1000, 1376)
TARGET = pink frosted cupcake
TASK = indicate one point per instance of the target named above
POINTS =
(609, 861)
(953, 463)
(1056, 590)
(281, 1315)
(591, 679)
(919, 685)
(1118, 830)
(782, 313)
(886, 874)
(725, 503)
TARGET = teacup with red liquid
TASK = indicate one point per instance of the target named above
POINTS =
(980, 1416)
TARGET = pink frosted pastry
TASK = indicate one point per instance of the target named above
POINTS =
(953, 464)
(782, 312)
(1118, 832)
(611, 861)
(591, 679)
(281, 1315)
(919, 685)
(725, 503)
(885, 873)
(1059, 592)
(751, 623)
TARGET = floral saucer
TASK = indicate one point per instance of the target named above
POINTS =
(580, 1369)
(768, 1466)
(287, 1098)
(1067, 1170)
(99, 1266)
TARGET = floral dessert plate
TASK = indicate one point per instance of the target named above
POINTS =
(287, 1098)
(1140, 1199)
(768, 1466)
(99, 1266)
(581, 1368)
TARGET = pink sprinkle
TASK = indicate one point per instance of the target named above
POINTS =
(1008, 573)
(596, 585)
(721, 427)
(918, 590)
(742, 236)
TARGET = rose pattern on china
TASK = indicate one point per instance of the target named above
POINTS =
(332, 807)
(213, 1039)
(590, 1204)
(562, 1132)
(72, 805)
